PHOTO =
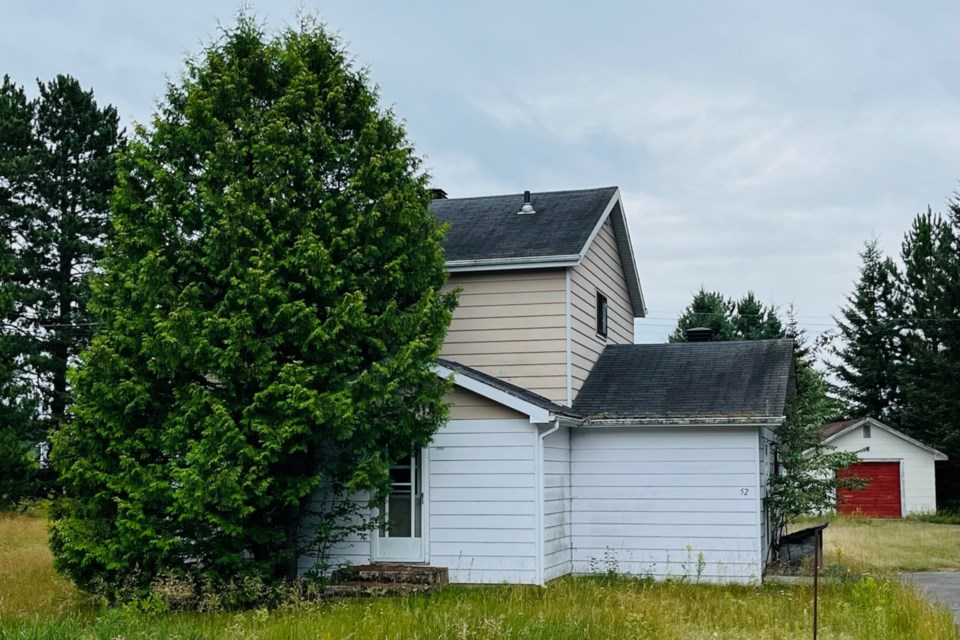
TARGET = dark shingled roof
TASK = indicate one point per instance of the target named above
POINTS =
(489, 228)
(833, 428)
(689, 380)
(506, 387)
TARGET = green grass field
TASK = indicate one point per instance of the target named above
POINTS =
(35, 603)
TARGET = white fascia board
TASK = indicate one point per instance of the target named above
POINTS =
(537, 415)
(625, 247)
(742, 421)
(630, 262)
(603, 218)
(500, 264)
(937, 455)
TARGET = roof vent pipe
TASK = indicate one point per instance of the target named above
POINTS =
(699, 334)
(527, 207)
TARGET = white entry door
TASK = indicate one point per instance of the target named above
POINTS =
(400, 537)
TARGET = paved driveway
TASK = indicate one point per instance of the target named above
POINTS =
(943, 586)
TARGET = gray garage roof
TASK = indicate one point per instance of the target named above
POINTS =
(689, 380)
(490, 228)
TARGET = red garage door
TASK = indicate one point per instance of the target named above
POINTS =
(880, 498)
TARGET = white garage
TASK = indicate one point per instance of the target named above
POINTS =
(899, 469)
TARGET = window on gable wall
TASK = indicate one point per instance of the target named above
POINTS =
(866, 430)
(601, 315)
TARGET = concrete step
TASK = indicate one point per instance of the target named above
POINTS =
(378, 589)
(383, 573)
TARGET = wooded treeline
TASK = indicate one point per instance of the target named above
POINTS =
(898, 348)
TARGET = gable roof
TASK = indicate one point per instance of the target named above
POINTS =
(498, 390)
(488, 233)
(696, 380)
(834, 430)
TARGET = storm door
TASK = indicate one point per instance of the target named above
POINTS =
(400, 536)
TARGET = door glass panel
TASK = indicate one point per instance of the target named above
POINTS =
(398, 519)
(403, 506)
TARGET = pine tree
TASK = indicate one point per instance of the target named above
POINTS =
(18, 427)
(752, 320)
(744, 319)
(707, 309)
(930, 354)
(60, 172)
(272, 305)
(870, 329)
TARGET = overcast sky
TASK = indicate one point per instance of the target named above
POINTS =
(757, 144)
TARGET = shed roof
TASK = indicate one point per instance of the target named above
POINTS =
(834, 430)
(747, 379)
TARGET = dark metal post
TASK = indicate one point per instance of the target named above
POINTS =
(816, 573)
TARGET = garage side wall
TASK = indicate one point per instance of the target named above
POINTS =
(482, 501)
(918, 482)
(666, 502)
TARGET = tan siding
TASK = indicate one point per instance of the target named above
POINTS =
(601, 270)
(512, 325)
(467, 405)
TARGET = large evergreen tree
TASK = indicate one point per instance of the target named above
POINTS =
(870, 325)
(931, 345)
(17, 420)
(272, 303)
(59, 171)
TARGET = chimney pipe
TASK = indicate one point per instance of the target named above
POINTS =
(527, 207)
(699, 334)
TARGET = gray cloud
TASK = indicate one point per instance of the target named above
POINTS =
(757, 144)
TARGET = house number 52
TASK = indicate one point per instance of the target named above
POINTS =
(744, 491)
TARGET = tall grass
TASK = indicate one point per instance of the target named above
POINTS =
(568, 609)
(888, 546)
(36, 604)
(28, 585)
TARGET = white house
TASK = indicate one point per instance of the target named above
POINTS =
(569, 449)
(900, 470)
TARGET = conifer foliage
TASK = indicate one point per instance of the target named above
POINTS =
(729, 319)
(56, 174)
(272, 300)
(869, 327)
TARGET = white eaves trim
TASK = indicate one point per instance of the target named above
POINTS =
(537, 415)
(937, 455)
(499, 264)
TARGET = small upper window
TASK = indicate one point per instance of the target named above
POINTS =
(601, 315)
(866, 430)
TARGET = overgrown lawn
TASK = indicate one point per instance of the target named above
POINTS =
(889, 546)
(36, 604)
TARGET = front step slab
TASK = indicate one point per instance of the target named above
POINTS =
(383, 574)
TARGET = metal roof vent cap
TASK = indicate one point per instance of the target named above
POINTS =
(699, 334)
(527, 207)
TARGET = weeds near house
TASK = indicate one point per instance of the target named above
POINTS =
(35, 604)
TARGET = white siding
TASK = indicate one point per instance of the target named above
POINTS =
(917, 483)
(556, 505)
(512, 325)
(355, 549)
(647, 501)
(482, 501)
(601, 271)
